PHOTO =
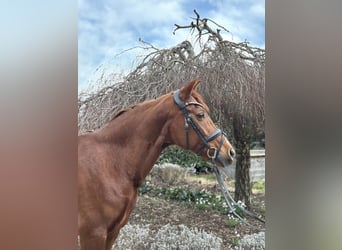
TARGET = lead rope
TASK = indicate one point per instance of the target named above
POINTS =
(229, 199)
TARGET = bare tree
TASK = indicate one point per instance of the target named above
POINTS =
(236, 74)
(234, 87)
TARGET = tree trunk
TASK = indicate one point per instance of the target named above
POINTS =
(243, 131)
(243, 188)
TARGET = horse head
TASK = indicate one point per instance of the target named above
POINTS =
(193, 129)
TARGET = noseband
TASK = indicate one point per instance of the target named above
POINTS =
(212, 151)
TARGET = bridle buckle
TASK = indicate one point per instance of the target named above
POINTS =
(212, 152)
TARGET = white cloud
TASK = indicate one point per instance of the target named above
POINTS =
(244, 19)
(109, 28)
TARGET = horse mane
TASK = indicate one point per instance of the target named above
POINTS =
(195, 95)
(122, 111)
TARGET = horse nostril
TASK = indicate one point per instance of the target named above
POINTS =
(232, 153)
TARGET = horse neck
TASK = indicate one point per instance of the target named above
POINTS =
(139, 134)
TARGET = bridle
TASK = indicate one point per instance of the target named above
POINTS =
(212, 152)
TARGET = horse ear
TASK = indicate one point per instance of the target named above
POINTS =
(186, 90)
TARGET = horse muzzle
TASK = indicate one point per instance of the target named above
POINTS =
(226, 158)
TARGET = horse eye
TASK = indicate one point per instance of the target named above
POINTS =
(200, 116)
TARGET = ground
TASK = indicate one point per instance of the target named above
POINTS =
(158, 212)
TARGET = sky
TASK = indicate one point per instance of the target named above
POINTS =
(108, 27)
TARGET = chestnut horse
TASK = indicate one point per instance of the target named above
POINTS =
(114, 160)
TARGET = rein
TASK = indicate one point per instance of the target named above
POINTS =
(232, 204)
(212, 153)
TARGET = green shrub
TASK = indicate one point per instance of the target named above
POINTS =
(184, 158)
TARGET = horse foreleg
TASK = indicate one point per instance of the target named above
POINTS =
(111, 238)
(93, 240)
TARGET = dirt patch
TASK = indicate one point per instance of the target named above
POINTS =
(158, 212)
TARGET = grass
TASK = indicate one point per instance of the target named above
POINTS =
(206, 179)
(259, 186)
(231, 223)
(209, 177)
(235, 242)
